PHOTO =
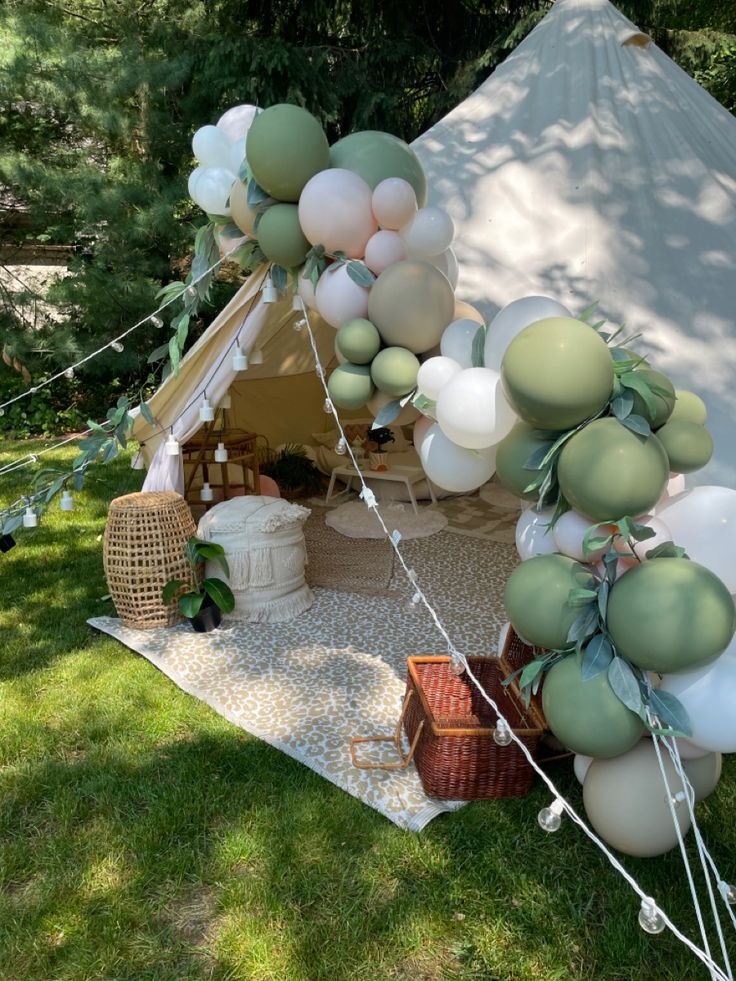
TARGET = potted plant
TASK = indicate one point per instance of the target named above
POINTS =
(377, 438)
(294, 472)
(204, 605)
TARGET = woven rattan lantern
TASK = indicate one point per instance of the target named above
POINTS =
(144, 544)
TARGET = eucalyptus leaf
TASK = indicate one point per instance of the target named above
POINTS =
(182, 330)
(158, 353)
(670, 711)
(667, 550)
(479, 348)
(256, 195)
(588, 311)
(389, 412)
(146, 412)
(280, 278)
(635, 380)
(584, 624)
(622, 405)
(597, 656)
(361, 274)
(581, 597)
(244, 172)
(624, 683)
(12, 524)
(537, 460)
(531, 671)
(603, 591)
(174, 355)
(637, 424)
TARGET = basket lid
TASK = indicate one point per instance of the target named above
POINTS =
(252, 513)
(146, 500)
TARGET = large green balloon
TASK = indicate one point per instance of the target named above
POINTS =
(285, 147)
(557, 372)
(536, 598)
(689, 407)
(586, 716)
(280, 236)
(688, 445)
(411, 303)
(670, 615)
(394, 371)
(376, 156)
(663, 404)
(350, 385)
(606, 471)
(512, 453)
(358, 341)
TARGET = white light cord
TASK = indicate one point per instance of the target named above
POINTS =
(31, 458)
(717, 972)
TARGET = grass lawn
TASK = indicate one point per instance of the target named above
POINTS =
(143, 837)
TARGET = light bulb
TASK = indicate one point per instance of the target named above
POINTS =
(206, 412)
(226, 402)
(319, 370)
(220, 453)
(157, 321)
(172, 445)
(300, 324)
(328, 407)
(191, 292)
(256, 356)
(550, 818)
(297, 303)
(206, 493)
(416, 599)
(30, 518)
(2, 412)
(67, 501)
(137, 462)
(341, 447)
(117, 346)
(240, 361)
(270, 293)
(650, 919)
(502, 734)
(456, 666)
(69, 374)
(728, 892)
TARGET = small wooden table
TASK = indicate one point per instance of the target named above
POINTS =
(199, 452)
(408, 476)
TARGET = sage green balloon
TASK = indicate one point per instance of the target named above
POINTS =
(587, 716)
(688, 445)
(557, 372)
(358, 341)
(670, 615)
(350, 385)
(280, 236)
(512, 453)
(536, 598)
(394, 371)
(376, 156)
(704, 773)
(663, 404)
(411, 303)
(285, 147)
(606, 471)
(689, 407)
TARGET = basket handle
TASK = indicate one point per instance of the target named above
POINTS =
(403, 761)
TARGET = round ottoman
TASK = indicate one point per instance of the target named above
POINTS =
(143, 549)
(263, 539)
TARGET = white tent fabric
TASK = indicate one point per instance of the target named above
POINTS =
(585, 169)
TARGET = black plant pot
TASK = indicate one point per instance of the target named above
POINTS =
(208, 618)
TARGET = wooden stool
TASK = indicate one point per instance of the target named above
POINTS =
(199, 453)
(144, 542)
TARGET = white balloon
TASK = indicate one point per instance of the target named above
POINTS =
(211, 147)
(434, 374)
(568, 535)
(212, 190)
(384, 249)
(580, 765)
(472, 409)
(533, 534)
(192, 182)
(339, 299)
(428, 233)
(235, 123)
(708, 695)
(237, 154)
(457, 341)
(452, 467)
(502, 639)
(703, 521)
(394, 203)
(335, 211)
(512, 319)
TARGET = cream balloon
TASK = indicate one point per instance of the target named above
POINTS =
(339, 299)
(472, 409)
(235, 123)
(394, 203)
(452, 467)
(533, 534)
(407, 415)
(211, 147)
(212, 190)
(447, 264)
(703, 522)
(581, 765)
(466, 311)
(421, 428)
(428, 233)
(383, 249)
(457, 341)
(307, 292)
(569, 532)
(335, 211)
(707, 695)
(434, 374)
(512, 319)
(704, 774)
(688, 750)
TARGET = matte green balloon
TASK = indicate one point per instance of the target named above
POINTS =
(606, 471)
(663, 404)
(557, 372)
(358, 341)
(670, 615)
(587, 716)
(536, 598)
(376, 156)
(689, 407)
(394, 371)
(280, 236)
(285, 147)
(688, 445)
(512, 453)
(411, 303)
(350, 385)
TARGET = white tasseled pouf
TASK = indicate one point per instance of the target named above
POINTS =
(263, 538)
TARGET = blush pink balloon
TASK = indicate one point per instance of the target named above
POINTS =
(383, 250)
(268, 487)
(394, 203)
(339, 299)
(335, 211)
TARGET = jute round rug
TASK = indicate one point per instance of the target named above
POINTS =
(355, 520)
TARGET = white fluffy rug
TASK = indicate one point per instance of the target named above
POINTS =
(355, 520)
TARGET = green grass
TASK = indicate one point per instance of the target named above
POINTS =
(143, 837)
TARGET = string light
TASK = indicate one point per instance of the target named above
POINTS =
(67, 501)
(456, 666)
(300, 324)
(206, 493)
(650, 919)
(157, 321)
(328, 407)
(341, 447)
(137, 461)
(270, 293)
(221, 453)
(297, 303)
(502, 734)
(728, 892)
(550, 818)
(117, 346)
(191, 292)
(172, 445)
(69, 373)
(30, 518)
(240, 361)
(206, 412)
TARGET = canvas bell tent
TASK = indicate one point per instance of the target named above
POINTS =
(587, 167)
